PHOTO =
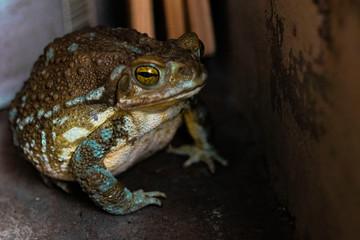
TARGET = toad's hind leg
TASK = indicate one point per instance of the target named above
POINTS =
(88, 169)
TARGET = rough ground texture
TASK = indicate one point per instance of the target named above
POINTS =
(236, 202)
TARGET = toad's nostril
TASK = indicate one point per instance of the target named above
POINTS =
(186, 71)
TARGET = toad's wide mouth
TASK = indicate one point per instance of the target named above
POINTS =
(140, 103)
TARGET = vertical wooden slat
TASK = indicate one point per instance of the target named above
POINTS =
(78, 14)
(175, 18)
(142, 17)
(201, 23)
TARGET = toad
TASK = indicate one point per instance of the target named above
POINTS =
(100, 99)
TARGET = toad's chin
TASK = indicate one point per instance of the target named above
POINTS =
(182, 95)
(165, 101)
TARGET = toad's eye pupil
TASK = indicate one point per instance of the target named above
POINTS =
(147, 75)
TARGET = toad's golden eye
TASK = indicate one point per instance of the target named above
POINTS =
(147, 75)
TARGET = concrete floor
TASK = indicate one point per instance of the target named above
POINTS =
(237, 202)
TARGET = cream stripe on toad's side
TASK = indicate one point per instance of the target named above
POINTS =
(75, 133)
(102, 117)
(66, 153)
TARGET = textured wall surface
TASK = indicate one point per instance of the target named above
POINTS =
(296, 65)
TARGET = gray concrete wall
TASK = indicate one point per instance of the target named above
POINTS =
(296, 68)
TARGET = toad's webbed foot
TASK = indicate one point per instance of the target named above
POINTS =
(132, 201)
(147, 198)
(196, 154)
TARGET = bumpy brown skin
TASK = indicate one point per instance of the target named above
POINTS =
(71, 74)
(82, 109)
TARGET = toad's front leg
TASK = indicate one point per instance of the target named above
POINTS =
(198, 124)
(88, 169)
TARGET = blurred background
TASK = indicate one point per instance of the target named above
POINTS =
(284, 92)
